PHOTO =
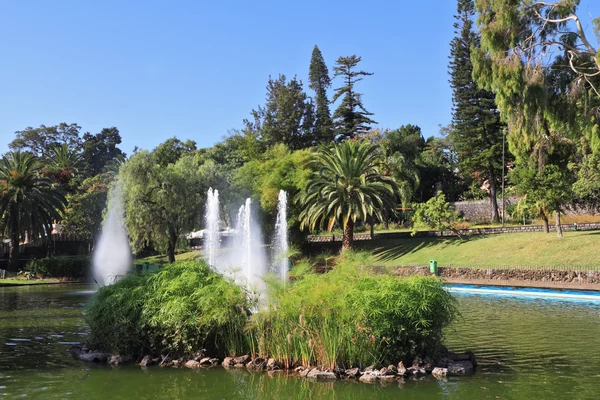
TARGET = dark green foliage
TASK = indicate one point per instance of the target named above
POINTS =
(319, 81)
(182, 308)
(100, 149)
(29, 203)
(72, 267)
(436, 214)
(83, 215)
(40, 141)
(348, 317)
(171, 150)
(350, 118)
(287, 117)
(476, 128)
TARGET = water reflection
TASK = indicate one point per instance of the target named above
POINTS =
(527, 349)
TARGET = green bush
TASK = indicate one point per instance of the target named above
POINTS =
(74, 267)
(182, 308)
(348, 317)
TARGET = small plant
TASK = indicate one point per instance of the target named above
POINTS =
(436, 214)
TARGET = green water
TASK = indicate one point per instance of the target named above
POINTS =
(527, 350)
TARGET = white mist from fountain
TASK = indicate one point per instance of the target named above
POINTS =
(112, 255)
(212, 240)
(280, 241)
(246, 259)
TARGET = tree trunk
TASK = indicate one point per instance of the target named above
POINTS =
(171, 247)
(386, 219)
(559, 231)
(544, 218)
(372, 232)
(348, 235)
(493, 197)
(13, 258)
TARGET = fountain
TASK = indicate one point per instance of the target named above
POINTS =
(112, 255)
(212, 241)
(280, 241)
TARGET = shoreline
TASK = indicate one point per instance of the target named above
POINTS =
(526, 278)
(447, 364)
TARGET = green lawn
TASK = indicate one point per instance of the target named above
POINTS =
(23, 282)
(517, 249)
(162, 259)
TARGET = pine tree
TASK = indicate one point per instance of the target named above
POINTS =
(476, 127)
(351, 118)
(287, 116)
(319, 81)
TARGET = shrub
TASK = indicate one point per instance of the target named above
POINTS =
(347, 317)
(182, 308)
(74, 267)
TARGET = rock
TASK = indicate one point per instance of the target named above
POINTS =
(414, 371)
(353, 373)
(321, 375)
(272, 364)
(441, 372)
(228, 362)
(370, 368)
(214, 361)
(83, 354)
(257, 364)
(192, 364)
(401, 370)
(116, 359)
(304, 373)
(460, 368)
(147, 360)
(243, 360)
(368, 378)
(199, 355)
(204, 361)
(388, 378)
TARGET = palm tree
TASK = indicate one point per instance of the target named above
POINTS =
(63, 164)
(28, 201)
(348, 187)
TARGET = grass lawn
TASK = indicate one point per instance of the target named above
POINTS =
(23, 282)
(162, 259)
(517, 249)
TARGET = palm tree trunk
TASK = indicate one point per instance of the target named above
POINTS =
(559, 231)
(13, 258)
(348, 235)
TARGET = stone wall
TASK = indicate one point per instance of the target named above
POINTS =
(480, 210)
(546, 276)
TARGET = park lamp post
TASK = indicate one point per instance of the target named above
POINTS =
(503, 164)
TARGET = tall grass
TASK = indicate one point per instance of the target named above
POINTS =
(347, 317)
(182, 308)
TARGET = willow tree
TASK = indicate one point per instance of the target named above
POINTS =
(162, 202)
(537, 58)
(348, 186)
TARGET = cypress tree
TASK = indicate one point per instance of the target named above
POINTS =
(319, 82)
(351, 118)
(476, 127)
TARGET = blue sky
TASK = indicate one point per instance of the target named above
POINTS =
(195, 69)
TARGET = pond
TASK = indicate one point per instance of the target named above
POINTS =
(526, 348)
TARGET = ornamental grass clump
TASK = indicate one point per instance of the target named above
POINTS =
(182, 308)
(348, 317)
